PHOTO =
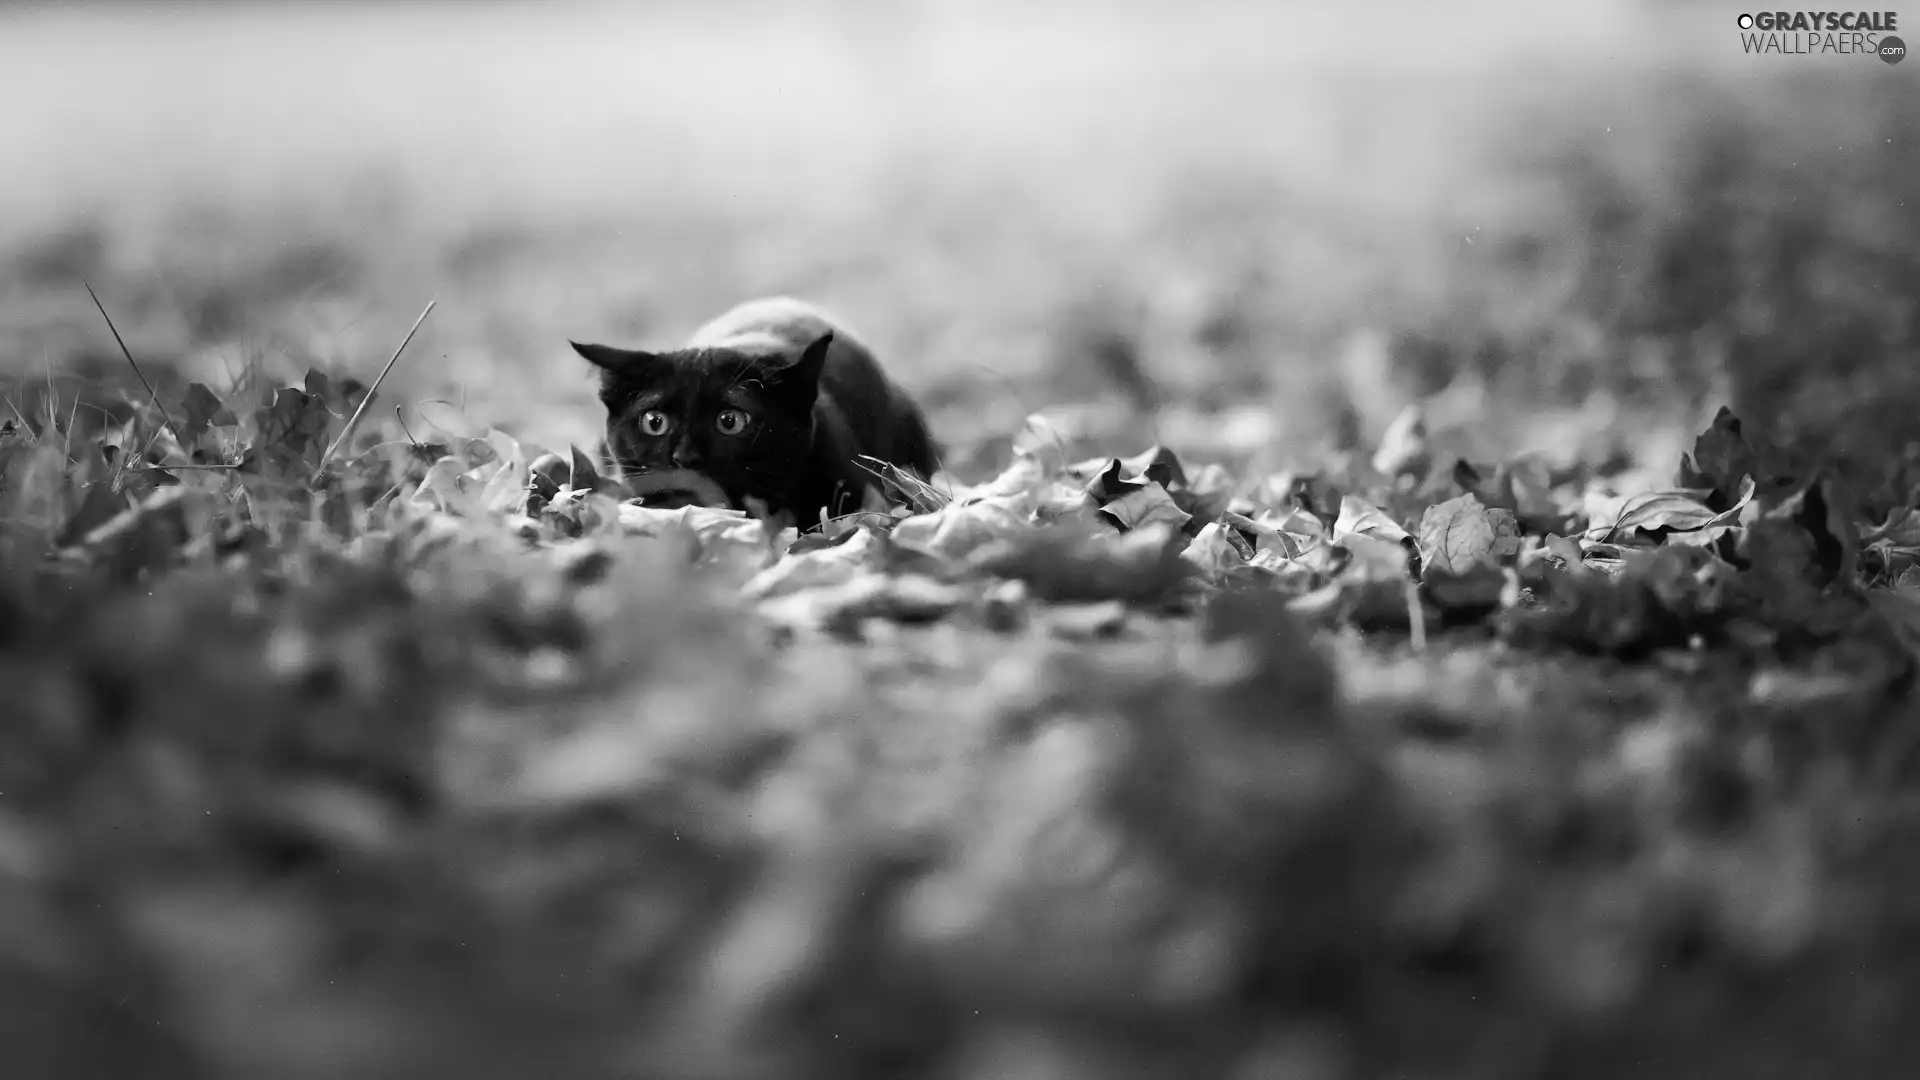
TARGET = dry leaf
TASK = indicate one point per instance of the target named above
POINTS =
(1461, 535)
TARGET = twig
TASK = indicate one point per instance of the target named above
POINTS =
(354, 420)
(176, 468)
(153, 397)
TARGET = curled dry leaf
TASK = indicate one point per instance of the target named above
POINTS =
(1567, 551)
(1217, 549)
(1360, 518)
(1132, 493)
(1722, 462)
(821, 567)
(1146, 505)
(1657, 512)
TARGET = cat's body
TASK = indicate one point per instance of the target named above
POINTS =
(774, 402)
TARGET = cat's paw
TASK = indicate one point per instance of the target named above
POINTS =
(671, 489)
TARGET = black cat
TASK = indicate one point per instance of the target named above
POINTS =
(770, 403)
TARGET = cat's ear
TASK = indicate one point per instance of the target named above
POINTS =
(802, 377)
(614, 361)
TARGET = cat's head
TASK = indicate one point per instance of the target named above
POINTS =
(743, 419)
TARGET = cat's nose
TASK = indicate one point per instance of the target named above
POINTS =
(686, 454)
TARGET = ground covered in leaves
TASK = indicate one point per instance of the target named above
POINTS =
(1211, 717)
(412, 759)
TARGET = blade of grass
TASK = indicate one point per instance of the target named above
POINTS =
(153, 396)
(354, 420)
(909, 485)
(53, 399)
(402, 421)
(1416, 618)
(73, 414)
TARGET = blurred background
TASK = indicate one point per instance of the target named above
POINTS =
(1256, 229)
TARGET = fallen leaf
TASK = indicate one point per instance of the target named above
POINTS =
(199, 410)
(1207, 494)
(293, 429)
(575, 513)
(1705, 537)
(1288, 535)
(1293, 521)
(1669, 511)
(317, 385)
(1112, 477)
(903, 487)
(1658, 510)
(744, 544)
(1359, 518)
(582, 475)
(339, 398)
(1147, 505)
(1461, 534)
(1721, 460)
(1157, 464)
(1567, 550)
(959, 529)
(1064, 565)
(821, 567)
(1214, 550)
(1809, 536)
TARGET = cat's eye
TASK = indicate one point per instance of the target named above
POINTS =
(732, 421)
(654, 422)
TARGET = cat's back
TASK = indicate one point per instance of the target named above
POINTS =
(883, 420)
(775, 323)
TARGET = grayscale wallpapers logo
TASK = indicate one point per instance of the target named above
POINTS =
(1813, 33)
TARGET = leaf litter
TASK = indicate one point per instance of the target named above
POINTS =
(455, 759)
